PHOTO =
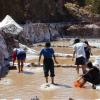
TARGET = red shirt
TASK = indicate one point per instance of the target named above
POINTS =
(14, 55)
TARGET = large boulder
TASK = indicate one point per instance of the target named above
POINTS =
(10, 30)
(8, 25)
(7, 43)
(4, 57)
(87, 30)
(10, 41)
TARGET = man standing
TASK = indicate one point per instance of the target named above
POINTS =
(48, 62)
(79, 54)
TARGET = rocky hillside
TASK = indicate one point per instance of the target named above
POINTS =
(34, 10)
(45, 10)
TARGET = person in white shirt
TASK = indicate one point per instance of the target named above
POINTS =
(79, 54)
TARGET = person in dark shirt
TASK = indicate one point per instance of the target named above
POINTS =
(48, 63)
(92, 76)
(87, 51)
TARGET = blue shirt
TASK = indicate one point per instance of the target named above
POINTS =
(47, 52)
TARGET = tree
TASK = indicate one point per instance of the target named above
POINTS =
(81, 3)
(96, 6)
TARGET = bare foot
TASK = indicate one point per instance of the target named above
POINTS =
(22, 71)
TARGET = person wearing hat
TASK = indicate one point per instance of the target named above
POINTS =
(79, 54)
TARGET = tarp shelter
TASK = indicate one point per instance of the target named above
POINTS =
(8, 25)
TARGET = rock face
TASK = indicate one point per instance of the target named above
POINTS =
(39, 32)
(34, 10)
(11, 42)
(8, 30)
(88, 30)
(4, 55)
(7, 43)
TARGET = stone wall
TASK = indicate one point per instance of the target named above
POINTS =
(40, 32)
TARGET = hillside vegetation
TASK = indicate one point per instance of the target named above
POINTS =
(45, 10)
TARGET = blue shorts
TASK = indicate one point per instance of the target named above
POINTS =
(21, 56)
